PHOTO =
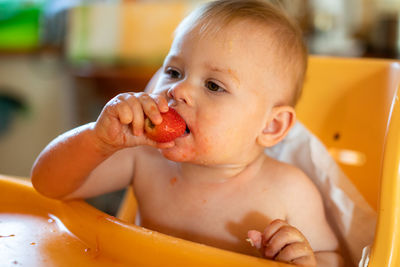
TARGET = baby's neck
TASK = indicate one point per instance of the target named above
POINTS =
(217, 174)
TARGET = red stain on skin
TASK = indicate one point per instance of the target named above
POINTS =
(205, 146)
(173, 180)
(192, 151)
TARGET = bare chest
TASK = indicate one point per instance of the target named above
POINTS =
(219, 215)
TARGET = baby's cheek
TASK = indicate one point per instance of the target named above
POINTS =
(212, 149)
(204, 146)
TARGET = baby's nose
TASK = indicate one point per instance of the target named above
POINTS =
(181, 93)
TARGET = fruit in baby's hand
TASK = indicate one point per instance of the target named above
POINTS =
(171, 127)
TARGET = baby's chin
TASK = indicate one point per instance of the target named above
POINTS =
(188, 152)
(185, 157)
(179, 154)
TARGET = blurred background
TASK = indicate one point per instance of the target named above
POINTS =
(62, 60)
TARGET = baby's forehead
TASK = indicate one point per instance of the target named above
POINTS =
(217, 27)
(236, 39)
(236, 36)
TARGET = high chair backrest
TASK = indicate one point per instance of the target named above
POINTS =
(353, 107)
(346, 103)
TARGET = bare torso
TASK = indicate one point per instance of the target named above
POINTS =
(217, 214)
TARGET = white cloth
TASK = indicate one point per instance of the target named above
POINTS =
(350, 216)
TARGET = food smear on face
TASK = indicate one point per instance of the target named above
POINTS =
(173, 180)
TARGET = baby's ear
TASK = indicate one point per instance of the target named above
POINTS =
(278, 125)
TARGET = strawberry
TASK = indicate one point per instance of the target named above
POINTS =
(171, 127)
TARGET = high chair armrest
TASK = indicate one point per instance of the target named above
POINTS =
(128, 207)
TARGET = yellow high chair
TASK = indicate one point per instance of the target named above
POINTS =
(352, 105)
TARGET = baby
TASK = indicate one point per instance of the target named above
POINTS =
(234, 72)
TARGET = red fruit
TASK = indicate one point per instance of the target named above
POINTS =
(171, 127)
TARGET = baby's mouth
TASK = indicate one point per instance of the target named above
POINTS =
(186, 133)
(187, 130)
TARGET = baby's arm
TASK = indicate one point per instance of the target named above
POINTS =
(305, 238)
(95, 148)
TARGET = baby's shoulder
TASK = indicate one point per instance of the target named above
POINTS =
(281, 172)
(291, 182)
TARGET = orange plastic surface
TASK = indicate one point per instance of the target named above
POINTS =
(37, 231)
(346, 103)
(386, 248)
(353, 106)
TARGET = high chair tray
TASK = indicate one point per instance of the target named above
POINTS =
(38, 231)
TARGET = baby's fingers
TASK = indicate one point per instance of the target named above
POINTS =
(272, 229)
(284, 236)
(150, 108)
(255, 238)
(162, 103)
(125, 114)
(119, 108)
(138, 116)
(297, 253)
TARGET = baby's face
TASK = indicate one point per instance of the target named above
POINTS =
(224, 86)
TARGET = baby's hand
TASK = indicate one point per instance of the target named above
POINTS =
(282, 242)
(121, 121)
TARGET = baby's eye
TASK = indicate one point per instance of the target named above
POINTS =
(214, 87)
(173, 73)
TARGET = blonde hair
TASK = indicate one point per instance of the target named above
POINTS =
(215, 15)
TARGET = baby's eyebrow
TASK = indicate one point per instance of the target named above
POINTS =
(172, 58)
(228, 71)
